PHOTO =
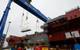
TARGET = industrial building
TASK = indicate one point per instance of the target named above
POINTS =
(64, 30)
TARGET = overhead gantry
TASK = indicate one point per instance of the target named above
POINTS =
(24, 4)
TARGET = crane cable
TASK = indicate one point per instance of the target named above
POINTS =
(6, 33)
(37, 26)
(24, 23)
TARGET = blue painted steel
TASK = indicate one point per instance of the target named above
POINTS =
(76, 46)
(25, 4)
(4, 18)
(13, 48)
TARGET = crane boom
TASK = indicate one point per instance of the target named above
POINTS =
(31, 9)
(4, 18)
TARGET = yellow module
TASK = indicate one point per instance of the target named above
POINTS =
(44, 48)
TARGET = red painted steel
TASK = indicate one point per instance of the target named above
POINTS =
(73, 14)
(57, 36)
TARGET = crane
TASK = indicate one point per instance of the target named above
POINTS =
(24, 4)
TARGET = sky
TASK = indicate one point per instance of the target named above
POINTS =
(50, 8)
